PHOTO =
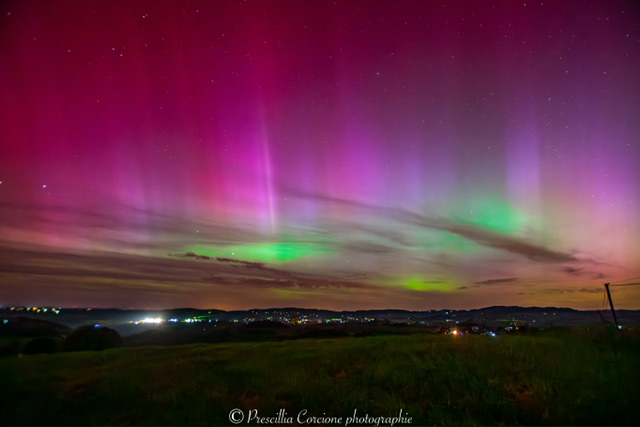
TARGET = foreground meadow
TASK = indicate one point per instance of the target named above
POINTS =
(564, 378)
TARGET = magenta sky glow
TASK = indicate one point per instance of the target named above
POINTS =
(343, 155)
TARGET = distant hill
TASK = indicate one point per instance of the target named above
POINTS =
(129, 321)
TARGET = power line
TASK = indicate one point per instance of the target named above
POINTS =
(626, 280)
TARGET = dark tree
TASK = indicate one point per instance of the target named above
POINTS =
(92, 338)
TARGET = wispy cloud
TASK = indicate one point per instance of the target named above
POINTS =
(119, 226)
(479, 235)
(491, 239)
(580, 272)
(258, 274)
(497, 281)
(559, 291)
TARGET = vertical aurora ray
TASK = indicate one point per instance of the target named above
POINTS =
(268, 178)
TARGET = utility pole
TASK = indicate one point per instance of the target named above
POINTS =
(613, 310)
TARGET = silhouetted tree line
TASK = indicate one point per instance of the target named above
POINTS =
(85, 338)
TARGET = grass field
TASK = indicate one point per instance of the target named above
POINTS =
(562, 378)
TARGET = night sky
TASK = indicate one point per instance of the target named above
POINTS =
(322, 154)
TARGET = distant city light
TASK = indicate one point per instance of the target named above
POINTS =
(151, 320)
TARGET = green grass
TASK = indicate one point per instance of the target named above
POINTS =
(564, 378)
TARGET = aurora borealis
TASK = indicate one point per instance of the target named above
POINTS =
(341, 155)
